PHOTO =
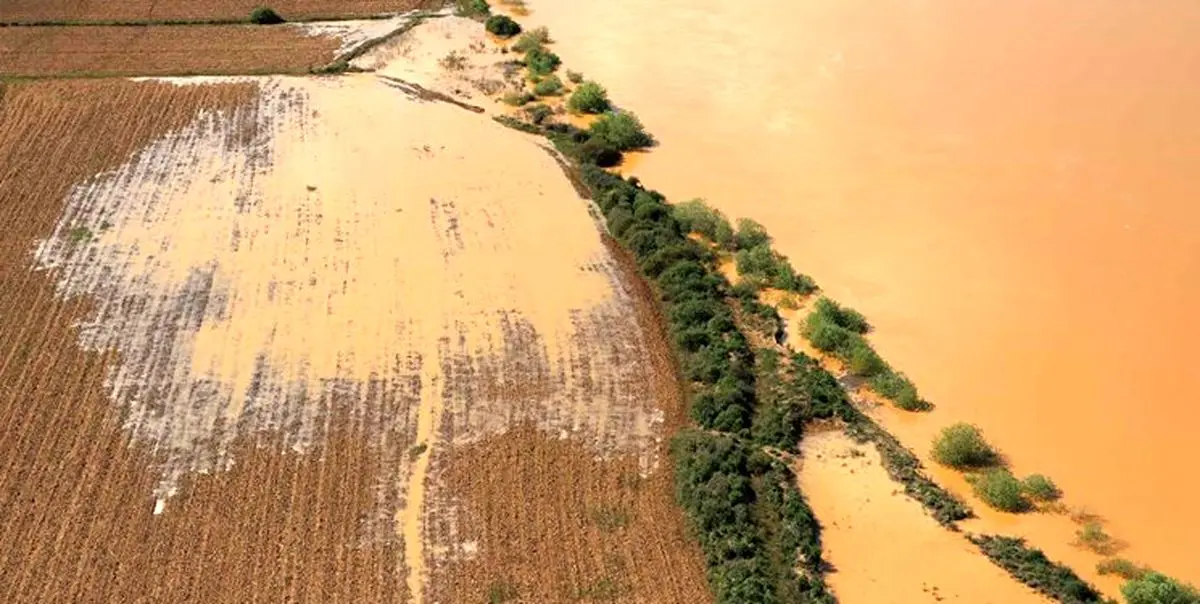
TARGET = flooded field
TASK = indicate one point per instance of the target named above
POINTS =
(1006, 189)
(326, 336)
(871, 531)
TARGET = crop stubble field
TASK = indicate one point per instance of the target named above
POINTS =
(40, 11)
(79, 521)
(161, 50)
(252, 301)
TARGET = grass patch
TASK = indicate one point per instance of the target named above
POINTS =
(474, 9)
(1040, 488)
(606, 589)
(574, 76)
(533, 39)
(962, 446)
(1031, 567)
(1093, 537)
(897, 387)
(998, 488)
(517, 124)
(500, 592)
(1121, 567)
(79, 234)
(417, 450)
(610, 518)
(588, 97)
(549, 86)
(518, 99)
(453, 61)
(539, 112)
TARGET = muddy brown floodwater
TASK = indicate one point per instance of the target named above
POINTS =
(1007, 189)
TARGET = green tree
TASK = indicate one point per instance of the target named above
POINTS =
(750, 234)
(621, 131)
(962, 446)
(1156, 588)
(589, 97)
(502, 26)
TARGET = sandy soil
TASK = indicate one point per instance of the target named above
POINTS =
(133, 10)
(872, 532)
(157, 50)
(452, 56)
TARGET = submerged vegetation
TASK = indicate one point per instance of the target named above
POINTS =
(1156, 588)
(998, 488)
(1040, 488)
(839, 331)
(760, 540)
(1031, 567)
(962, 446)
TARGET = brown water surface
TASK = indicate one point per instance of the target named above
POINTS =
(1007, 189)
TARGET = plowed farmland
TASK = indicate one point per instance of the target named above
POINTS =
(277, 340)
(41, 11)
(76, 490)
(161, 50)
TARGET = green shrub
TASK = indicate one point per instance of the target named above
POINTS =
(999, 489)
(1156, 588)
(862, 360)
(697, 217)
(763, 264)
(541, 62)
(900, 390)
(502, 26)
(265, 15)
(532, 39)
(518, 99)
(620, 131)
(549, 86)
(589, 97)
(750, 234)
(473, 8)
(1040, 488)
(842, 316)
(1031, 567)
(574, 76)
(962, 446)
(826, 335)
(1121, 567)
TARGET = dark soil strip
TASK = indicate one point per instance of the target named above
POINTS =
(421, 93)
